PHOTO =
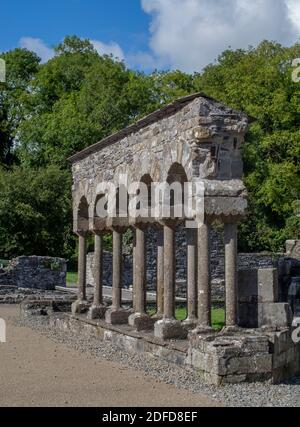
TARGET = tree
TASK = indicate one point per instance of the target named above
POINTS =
(35, 212)
(21, 67)
(50, 111)
(258, 81)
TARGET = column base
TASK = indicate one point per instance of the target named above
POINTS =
(80, 307)
(141, 322)
(96, 312)
(232, 329)
(117, 316)
(157, 317)
(190, 323)
(168, 329)
(202, 330)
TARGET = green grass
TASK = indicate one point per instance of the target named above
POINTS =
(218, 316)
(72, 277)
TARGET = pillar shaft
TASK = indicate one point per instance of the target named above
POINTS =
(192, 273)
(133, 272)
(169, 272)
(98, 268)
(230, 236)
(82, 268)
(117, 270)
(204, 292)
(140, 271)
(160, 273)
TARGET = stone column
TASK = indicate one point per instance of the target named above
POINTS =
(192, 239)
(204, 291)
(133, 271)
(139, 319)
(116, 314)
(97, 310)
(168, 327)
(230, 236)
(80, 306)
(169, 272)
(160, 274)
(117, 270)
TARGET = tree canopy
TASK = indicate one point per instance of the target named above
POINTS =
(50, 111)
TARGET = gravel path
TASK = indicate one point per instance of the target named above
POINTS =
(245, 395)
(37, 371)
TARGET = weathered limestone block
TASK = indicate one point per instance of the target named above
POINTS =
(252, 315)
(276, 315)
(258, 285)
(117, 317)
(281, 341)
(169, 329)
(223, 359)
(141, 322)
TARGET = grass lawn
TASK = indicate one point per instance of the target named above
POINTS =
(72, 278)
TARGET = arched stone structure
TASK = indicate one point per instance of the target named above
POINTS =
(195, 140)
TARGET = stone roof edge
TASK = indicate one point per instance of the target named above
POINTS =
(142, 123)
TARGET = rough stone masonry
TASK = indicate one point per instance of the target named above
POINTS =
(194, 140)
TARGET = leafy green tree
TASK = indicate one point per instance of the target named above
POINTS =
(259, 82)
(35, 212)
(50, 111)
(21, 67)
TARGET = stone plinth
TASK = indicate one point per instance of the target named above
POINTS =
(166, 329)
(141, 322)
(117, 317)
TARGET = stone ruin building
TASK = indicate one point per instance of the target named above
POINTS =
(196, 140)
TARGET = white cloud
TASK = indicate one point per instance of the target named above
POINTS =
(37, 46)
(111, 48)
(294, 13)
(189, 34)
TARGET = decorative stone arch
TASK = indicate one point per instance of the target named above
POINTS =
(177, 175)
(179, 143)
(98, 220)
(83, 216)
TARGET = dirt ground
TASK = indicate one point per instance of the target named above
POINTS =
(35, 371)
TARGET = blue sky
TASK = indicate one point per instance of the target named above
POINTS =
(118, 20)
(147, 34)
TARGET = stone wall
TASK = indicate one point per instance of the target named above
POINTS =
(35, 273)
(197, 134)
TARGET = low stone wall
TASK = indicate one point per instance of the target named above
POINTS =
(35, 272)
(219, 358)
